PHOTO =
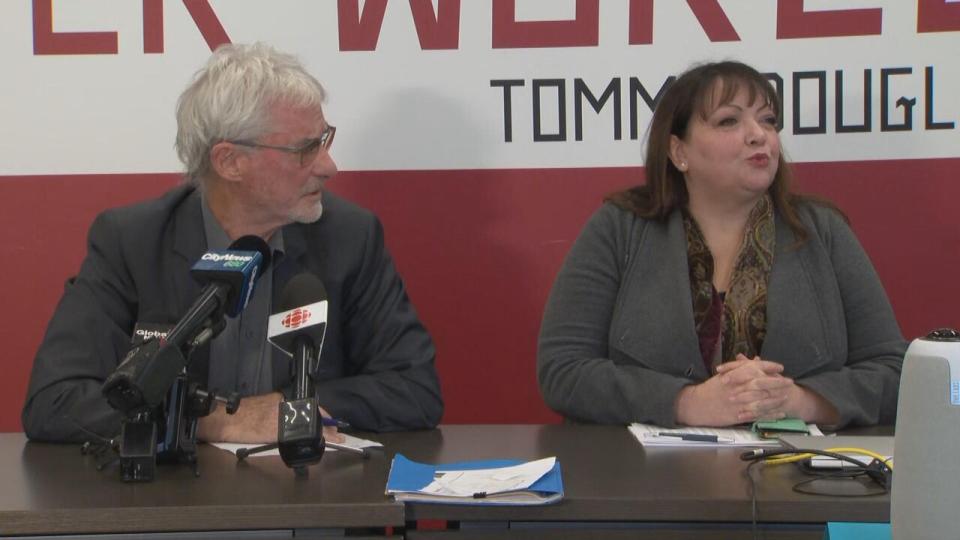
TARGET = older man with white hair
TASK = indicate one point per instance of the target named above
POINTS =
(255, 143)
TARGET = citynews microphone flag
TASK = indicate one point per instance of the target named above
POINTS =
(284, 327)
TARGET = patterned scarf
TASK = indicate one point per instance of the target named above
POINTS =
(741, 312)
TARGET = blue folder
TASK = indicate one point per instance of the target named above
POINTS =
(408, 478)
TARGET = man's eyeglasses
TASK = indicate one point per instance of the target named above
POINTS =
(307, 151)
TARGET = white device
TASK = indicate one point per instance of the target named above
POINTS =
(926, 482)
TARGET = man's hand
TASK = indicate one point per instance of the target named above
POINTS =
(330, 433)
(255, 422)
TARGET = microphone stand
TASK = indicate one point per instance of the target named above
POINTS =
(299, 470)
(168, 433)
(300, 428)
(152, 387)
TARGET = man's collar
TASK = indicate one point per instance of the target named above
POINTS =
(217, 238)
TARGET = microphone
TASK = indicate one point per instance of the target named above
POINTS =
(298, 330)
(228, 278)
(142, 379)
(233, 272)
(299, 326)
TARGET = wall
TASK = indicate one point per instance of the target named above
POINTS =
(462, 130)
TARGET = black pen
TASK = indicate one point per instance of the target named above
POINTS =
(695, 437)
(333, 422)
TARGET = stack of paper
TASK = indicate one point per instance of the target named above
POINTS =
(651, 435)
(494, 482)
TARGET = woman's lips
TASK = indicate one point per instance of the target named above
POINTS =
(759, 160)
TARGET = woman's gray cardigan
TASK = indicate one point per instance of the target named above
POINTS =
(618, 342)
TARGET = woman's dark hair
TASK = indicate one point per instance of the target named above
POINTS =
(700, 91)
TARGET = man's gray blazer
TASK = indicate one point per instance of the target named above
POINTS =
(377, 365)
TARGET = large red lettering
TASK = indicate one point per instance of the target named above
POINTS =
(713, 20)
(435, 30)
(708, 12)
(46, 41)
(440, 31)
(153, 26)
(640, 25)
(203, 16)
(360, 32)
(582, 31)
(938, 16)
(794, 22)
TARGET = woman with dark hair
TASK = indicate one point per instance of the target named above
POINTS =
(712, 295)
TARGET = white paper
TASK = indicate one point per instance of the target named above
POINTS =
(651, 435)
(349, 440)
(489, 481)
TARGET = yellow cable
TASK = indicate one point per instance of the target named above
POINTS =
(851, 450)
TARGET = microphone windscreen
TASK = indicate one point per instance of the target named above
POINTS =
(302, 306)
(302, 289)
(239, 267)
(253, 243)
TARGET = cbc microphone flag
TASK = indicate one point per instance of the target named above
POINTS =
(296, 320)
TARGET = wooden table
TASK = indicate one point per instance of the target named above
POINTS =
(614, 489)
(52, 489)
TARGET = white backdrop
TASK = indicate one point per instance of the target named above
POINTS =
(400, 107)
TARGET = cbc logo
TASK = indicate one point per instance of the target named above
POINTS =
(296, 318)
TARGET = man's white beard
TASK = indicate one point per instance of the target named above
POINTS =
(313, 213)
(310, 215)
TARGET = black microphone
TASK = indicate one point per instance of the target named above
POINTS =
(298, 330)
(148, 371)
